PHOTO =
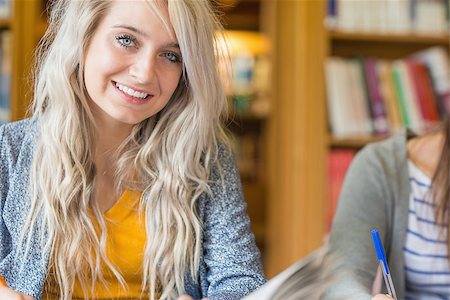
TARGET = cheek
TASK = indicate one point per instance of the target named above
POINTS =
(173, 81)
(101, 61)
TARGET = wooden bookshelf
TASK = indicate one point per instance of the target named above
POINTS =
(341, 43)
(299, 140)
(389, 46)
(355, 142)
(240, 14)
(5, 24)
(24, 20)
(412, 38)
(297, 132)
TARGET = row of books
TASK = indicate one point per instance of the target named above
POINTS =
(5, 74)
(249, 85)
(401, 16)
(5, 9)
(370, 96)
(247, 82)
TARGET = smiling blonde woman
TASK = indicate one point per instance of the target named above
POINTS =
(122, 185)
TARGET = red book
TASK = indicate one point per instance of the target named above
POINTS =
(430, 94)
(338, 161)
(423, 91)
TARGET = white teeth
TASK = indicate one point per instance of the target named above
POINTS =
(131, 92)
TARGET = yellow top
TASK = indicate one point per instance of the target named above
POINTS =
(125, 247)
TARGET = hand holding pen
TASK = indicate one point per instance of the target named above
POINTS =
(383, 263)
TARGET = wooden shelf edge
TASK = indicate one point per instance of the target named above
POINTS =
(353, 142)
(5, 23)
(246, 118)
(417, 38)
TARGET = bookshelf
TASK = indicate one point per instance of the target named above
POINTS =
(354, 142)
(5, 23)
(413, 38)
(297, 132)
(387, 46)
(395, 46)
(300, 140)
(22, 24)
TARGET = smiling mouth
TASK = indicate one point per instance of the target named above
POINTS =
(131, 92)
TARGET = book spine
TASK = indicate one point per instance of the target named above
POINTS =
(338, 162)
(379, 117)
(410, 98)
(384, 69)
(400, 95)
(418, 89)
(338, 98)
(331, 19)
(436, 59)
(359, 107)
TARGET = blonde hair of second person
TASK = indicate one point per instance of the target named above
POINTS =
(127, 96)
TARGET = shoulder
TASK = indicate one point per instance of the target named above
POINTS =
(393, 144)
(379, 170)
(16, 133)
(223, 163)
(18, 137)
(389, 154)
(224, 179)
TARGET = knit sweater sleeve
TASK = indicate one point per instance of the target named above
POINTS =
(364, 204)
(230, 253)
(5, 167)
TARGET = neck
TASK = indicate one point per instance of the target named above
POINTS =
(109, 136)
(425, 151)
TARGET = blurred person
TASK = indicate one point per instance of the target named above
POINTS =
(400, 186)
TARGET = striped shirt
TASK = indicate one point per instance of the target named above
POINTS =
(426, 252)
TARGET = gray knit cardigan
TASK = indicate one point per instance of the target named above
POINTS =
(230, 262)
(375, 195)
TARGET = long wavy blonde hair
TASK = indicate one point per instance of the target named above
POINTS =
(171, 153)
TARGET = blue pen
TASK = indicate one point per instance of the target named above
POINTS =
(384, 266)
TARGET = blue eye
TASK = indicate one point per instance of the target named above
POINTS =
(172, 57)
(126, 41)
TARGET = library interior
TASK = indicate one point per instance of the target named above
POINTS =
(313, 82)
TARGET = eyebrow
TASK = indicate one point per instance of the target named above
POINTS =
(140, 32)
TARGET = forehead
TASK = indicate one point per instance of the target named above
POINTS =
(148, 16)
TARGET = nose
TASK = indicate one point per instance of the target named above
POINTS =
(143, 68)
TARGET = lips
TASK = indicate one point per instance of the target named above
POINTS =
(131, 92)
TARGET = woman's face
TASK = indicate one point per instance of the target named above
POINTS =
(132, 65)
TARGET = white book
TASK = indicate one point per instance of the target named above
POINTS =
(398, 16)
(347, 13)
(4, 9)
(339, 98)
(430, 16)
(359, 108)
